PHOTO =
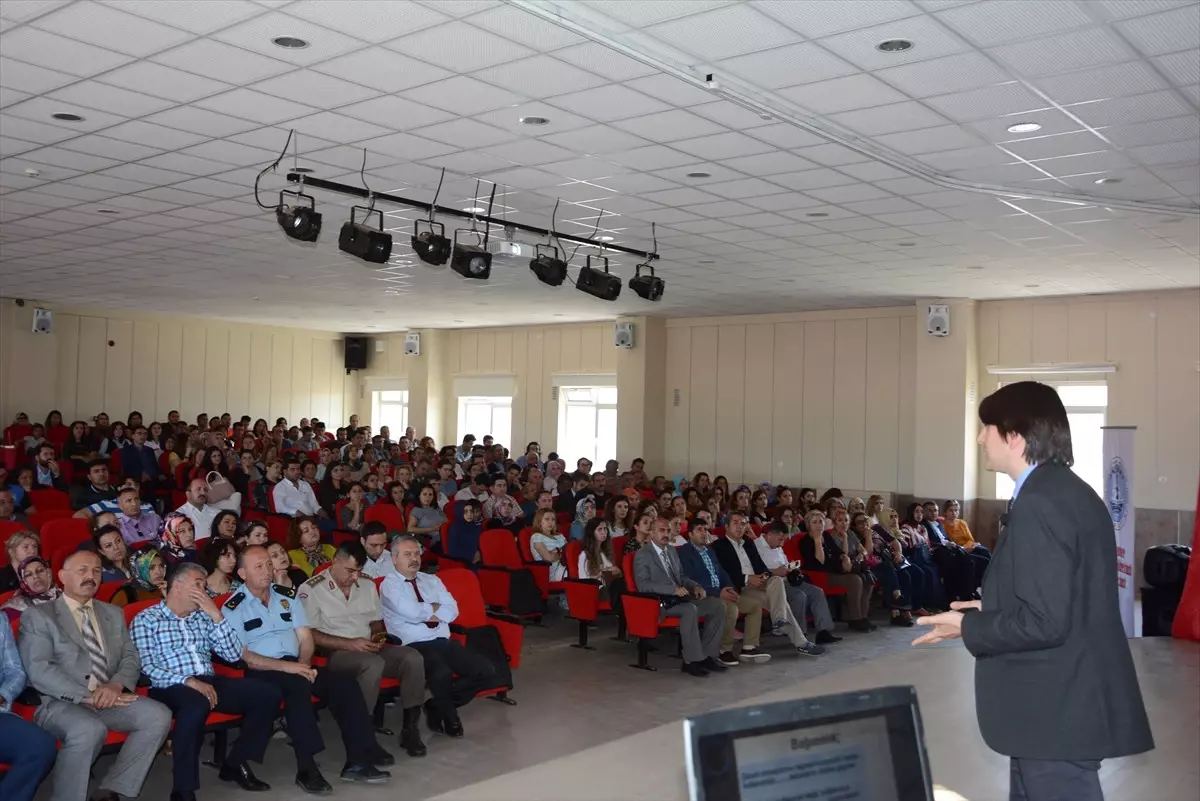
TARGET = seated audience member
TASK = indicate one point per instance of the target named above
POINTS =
(177, 542)
(8, 508)
(446, 483)
(277, 647)
(478, 487)
(548, 545)
(176, 640)
(36, 587)
(787, 605)
(875, 507)
(418, 611)
(804, 597)
(917, 550)
(264, 489)
(856, 506)
(351, 518)
(425, 519)
(86, 668)
(47, 473)
(955, 566)
(293, 495)
(116, 440)
(532, 456)
(245, 472)
(657, 571)
(225, 525)
(640, 535)
(819, 551)
(148, 574)
(26, 749)
(346, 617)
(598, 563)
(465, 532)
(110, 543)
(759, 515)
(887, 563)
(618, 512)
(202, 513)
(141, 461)
(20, 546)
(332, 489)
(305, 549)
(700, 564)
(283, 572)
(493, 506)
(136, 523)
(787, 519)
(923, 577)
(253, 532)
(373, 489)
(541, 499)
(980, 556)
(218, 557)
(374, 539)
(95, 489)
(79, 447)
(20, 485)
(585, 510)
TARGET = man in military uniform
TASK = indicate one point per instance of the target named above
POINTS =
(277, 645)
(346, 618)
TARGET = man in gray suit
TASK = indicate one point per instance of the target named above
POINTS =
(656, 570)
(80, 658)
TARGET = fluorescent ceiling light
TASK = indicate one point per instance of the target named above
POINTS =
(1073, 368)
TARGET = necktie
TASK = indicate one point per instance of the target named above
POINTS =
(92, 642)
(670, 567)
(417, 590)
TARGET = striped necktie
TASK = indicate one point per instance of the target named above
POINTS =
(91, 641)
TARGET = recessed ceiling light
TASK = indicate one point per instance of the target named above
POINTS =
(534, 121)
(290, 42)
(894, 46)
(699, 175)
(816, 214)
(605, 238)
(1107, 181)
(765, 117)
(1032, 286)
(975, 267)
(67, 117)
(906, 244)
(706, 261)
(1024, 127)
(304, 170)
(458, 321)
(256, 297)
(107, 211)
(474, 209)
(557, 315)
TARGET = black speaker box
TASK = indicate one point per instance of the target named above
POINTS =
(356, 353)
(1158, 610)
(1166, 566)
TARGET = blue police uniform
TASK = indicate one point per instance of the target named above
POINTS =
(270, 630)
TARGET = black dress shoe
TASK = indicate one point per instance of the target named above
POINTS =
(382, 757)
(453, 728)
(384, 731)
(107, 796)
(311, 781)
(826, 637)
(244, 777)
(433, 717)
(694, 669)
(365, 774)
(183, 796)
(410, 733)
(713, 666)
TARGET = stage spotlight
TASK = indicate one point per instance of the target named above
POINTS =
(603, 285)
(431, 244)
(471, 261)
(649, 286)
(369, 244)
(299, 222)
(549, 269)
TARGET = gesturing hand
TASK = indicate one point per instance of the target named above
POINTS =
(961, 605)
(946, 626)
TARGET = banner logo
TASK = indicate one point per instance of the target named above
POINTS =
(1117, 492)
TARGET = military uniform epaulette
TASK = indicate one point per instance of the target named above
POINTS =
(315, 581)
(234, 600)
(282, 590)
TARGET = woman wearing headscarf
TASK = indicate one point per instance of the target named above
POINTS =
(585, 510)
(919, 552)
(36, 587)
(554, 470)
(177, 541)
(889, 546)
(148, 569)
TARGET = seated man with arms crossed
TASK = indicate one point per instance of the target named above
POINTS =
(656, 570)
(277, 646)
(176, 639)
(80, 658)
(346, 617)
(418, 611)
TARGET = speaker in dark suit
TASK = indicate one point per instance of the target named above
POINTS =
(1055, 686)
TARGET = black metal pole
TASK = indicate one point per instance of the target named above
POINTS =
(358, 191)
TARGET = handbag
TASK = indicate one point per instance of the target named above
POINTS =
(219, 489)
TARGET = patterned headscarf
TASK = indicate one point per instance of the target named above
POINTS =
(170, 545)
(24, 596)
(581, 515)
(139, 568)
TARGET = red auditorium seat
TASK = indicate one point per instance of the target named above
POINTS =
(498, 550)
(388, 514)
(583, 595)
(465, 588)
(642, 612)
(48, 500)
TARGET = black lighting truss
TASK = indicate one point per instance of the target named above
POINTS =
(358, 191)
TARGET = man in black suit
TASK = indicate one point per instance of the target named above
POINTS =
(1055, 686)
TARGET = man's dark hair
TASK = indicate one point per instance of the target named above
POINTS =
(96, 463)
(775, 528)
(485, 479)
(244, 451)
(1034, 411)
(351, 549)
(473, 504)
(49, 445)
(580, 475)
(372, 528)
(289, 461)
(139, 428)
(126, 490)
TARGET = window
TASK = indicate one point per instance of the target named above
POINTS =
(486, 414)
(587, 424)
(1087, 406)
(389, 408)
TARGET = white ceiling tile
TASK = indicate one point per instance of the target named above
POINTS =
(1104, 82)
(58, 53)
(858, 46)
(336, 128)
(11, 96)
(536, 152)
(93, 94)
(465, 134)
(1128, 110)
(68, 159)
(843, 94)
(601, 60)
(35, 131)
(1123, 9)
(722, 209)
(1192, 92)
(30, 78)
(812, 179)
(930, 140)
(234, 154)
(681, 196)
(608, 103)
(725, 145)
(190, 165)
(40, 109)
(742, 188)
(873, 171)
(371, 20)
(980, 104)
(1175, 152)
(831, 155)
(786, 135)
(316, 89)
(672, 90)
(669, 126)
(469, 163)
(785, 66)
(943, 75)
(1093, 47)
(251, 105)
(224, 62)
(201, 18)
(733, 116)
(107, 27)
(23, 10)
(596, 140)
(847, 193)
(1183, 68)
(200, 121)
(165, 82)
(1155, 133)
(967, 157)
(406, 146)
(518, 26)
(395, 112)
(583, 169)
(1172, 31)
(153, 176)
(1060, 145)
(784, 202)
(509, 118)
(889, 119)
(382, 69)
(539, 77)
(816, 18)
(257, 34)
(524, 178)
(1052, 120)
(460, 8)
(110, 148)
(639, 13)
(459, 46)
(463, 95)
(988, 24)
(651, 157)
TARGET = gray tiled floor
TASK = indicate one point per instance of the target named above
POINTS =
(568, 700)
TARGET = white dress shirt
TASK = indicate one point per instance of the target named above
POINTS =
(772, 557)
(291, 500)
(383, 566)
(404, 616)
(739, 547)
(584, 573)
(201, 517)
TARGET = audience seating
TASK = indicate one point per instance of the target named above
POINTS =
(40, 518)
(583, 595)
(498, 550)
(642, 610)
(46, 500)
(10, 527)
(388, 514)
(277, 527)
(72, 531)
(525, 543)
(465, 588)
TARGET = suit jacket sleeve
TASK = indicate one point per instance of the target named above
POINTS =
(1039, 615)
(36, 644)
(689, 562)
(649, 574)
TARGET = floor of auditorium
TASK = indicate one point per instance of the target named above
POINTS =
(583, 716)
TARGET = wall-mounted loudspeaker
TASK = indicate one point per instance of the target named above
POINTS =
(412, 344)
(356, 353)
(43, 321)
(623, 335)
(937, 324)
